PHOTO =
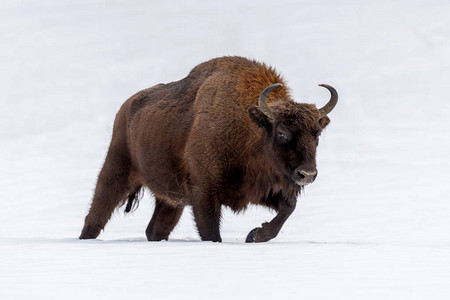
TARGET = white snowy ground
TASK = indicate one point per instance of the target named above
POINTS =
(374, 225)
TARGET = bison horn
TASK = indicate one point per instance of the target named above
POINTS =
(262, 100)
(331, 104)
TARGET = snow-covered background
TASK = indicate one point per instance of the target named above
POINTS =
(374, 225)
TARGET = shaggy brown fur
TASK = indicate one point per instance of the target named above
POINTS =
(203, 141)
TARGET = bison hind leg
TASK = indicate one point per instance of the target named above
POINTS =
(164, 219)
(113, 185)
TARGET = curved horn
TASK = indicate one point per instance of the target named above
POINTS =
(262, 100)
(331, 103)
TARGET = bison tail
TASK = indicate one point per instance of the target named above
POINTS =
(133, 200)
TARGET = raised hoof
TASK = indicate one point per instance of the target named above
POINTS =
(251, 236)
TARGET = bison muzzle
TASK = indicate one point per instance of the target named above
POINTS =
(227, 134)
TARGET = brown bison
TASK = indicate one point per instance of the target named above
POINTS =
(227, 134)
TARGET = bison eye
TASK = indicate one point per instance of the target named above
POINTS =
(282, 137)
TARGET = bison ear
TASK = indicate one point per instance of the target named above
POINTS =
(258, 116)
(324, 121)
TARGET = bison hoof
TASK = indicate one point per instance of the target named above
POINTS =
(90, 232)
(251, 236)
(261, 234)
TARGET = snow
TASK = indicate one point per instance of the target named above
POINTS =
(374, 225)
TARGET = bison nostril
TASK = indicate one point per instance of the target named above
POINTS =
(301, 175)
(305, 176)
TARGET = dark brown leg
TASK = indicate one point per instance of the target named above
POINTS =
(207, 212)
(112, 188)
(164, 219)
(270, 230)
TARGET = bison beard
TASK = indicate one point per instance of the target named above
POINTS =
(227, 134)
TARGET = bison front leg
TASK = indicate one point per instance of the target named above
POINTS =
(271, 229)
(207, 212)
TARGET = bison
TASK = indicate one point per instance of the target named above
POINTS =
(227, 134)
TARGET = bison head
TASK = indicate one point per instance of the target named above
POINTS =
(292, 133)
